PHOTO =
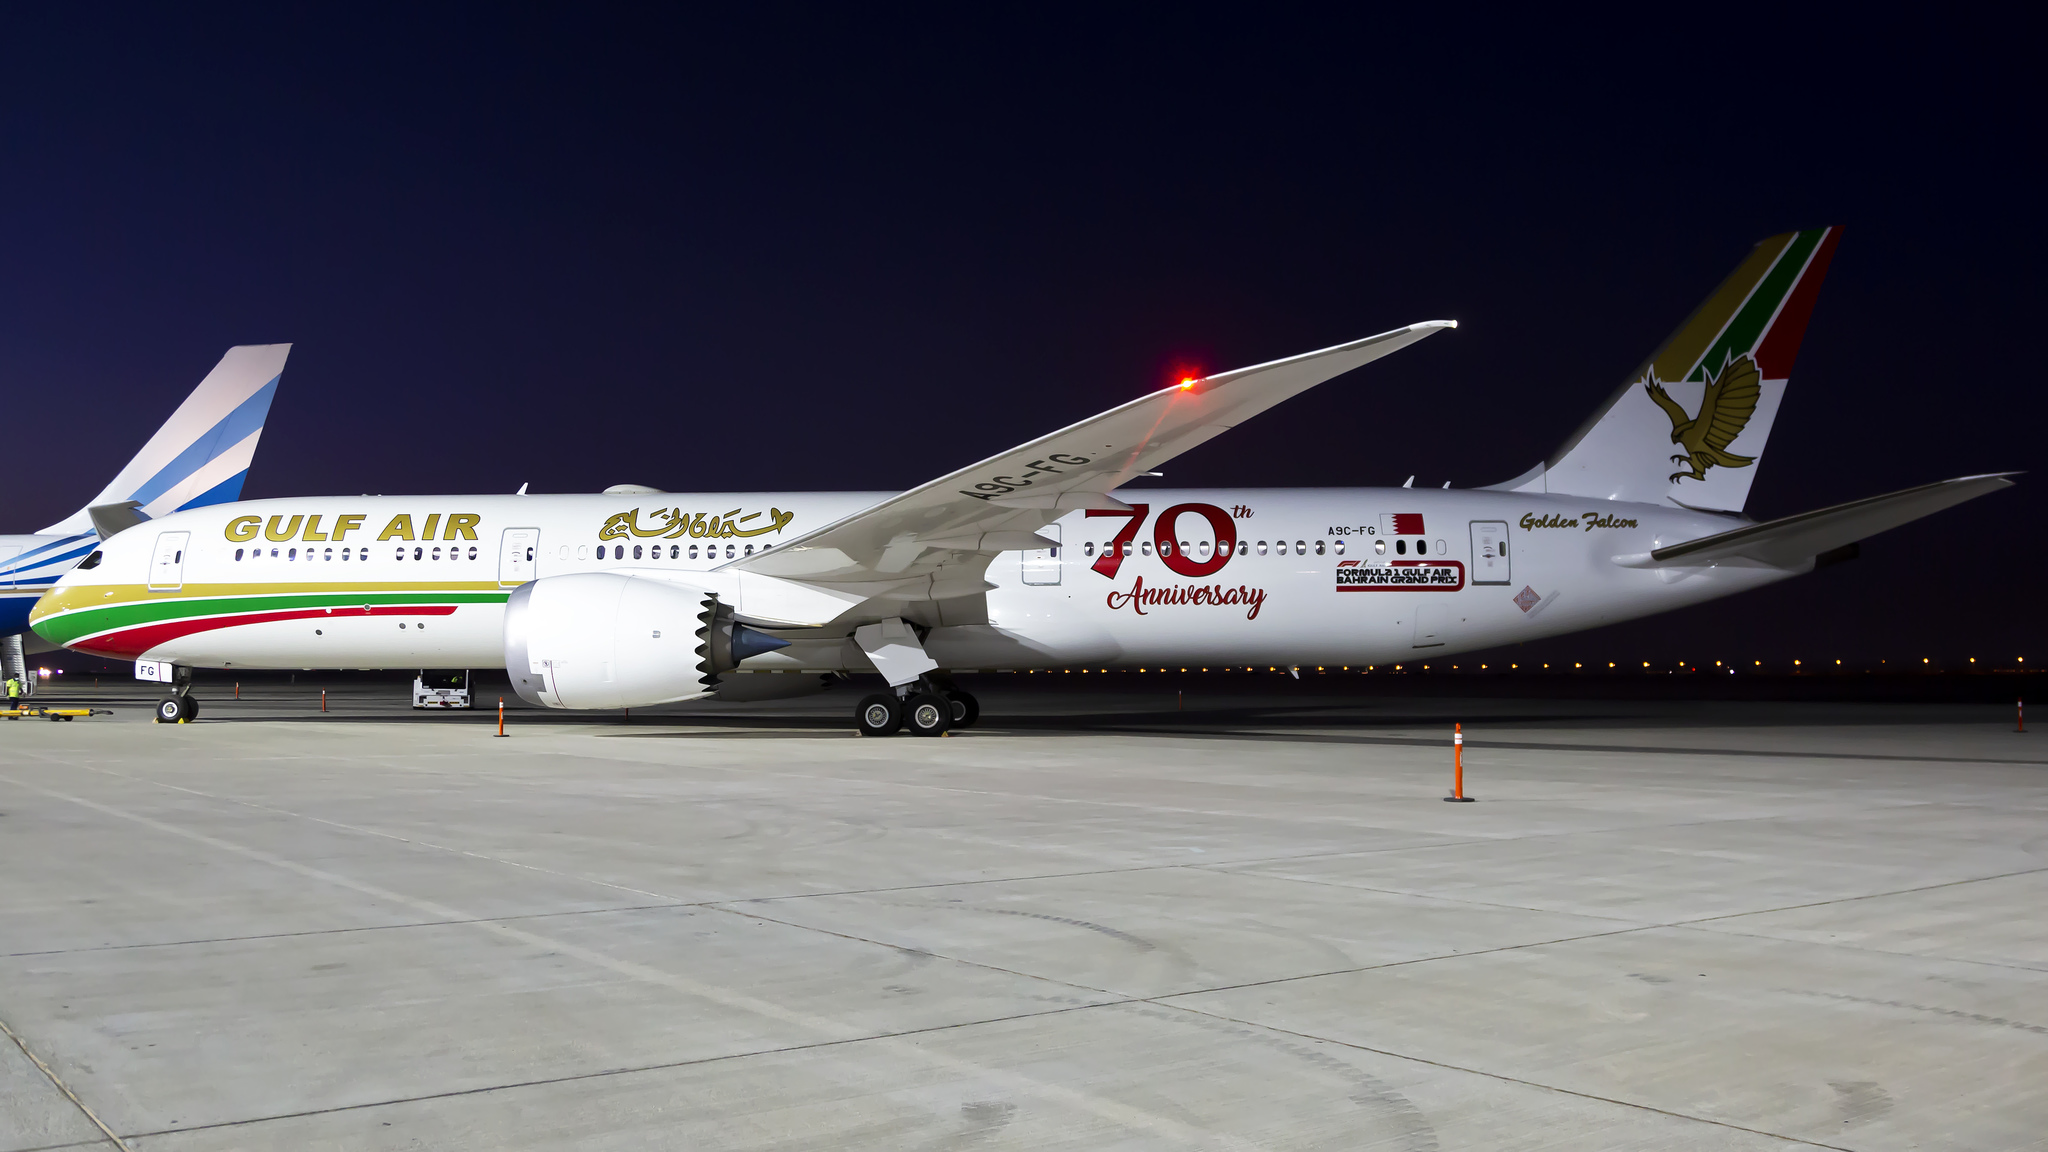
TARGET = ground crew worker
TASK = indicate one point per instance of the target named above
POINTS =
(13, 690)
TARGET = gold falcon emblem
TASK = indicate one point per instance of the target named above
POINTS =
(1725, 409)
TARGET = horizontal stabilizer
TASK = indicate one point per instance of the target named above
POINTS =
(1793, 540)
(108, 519)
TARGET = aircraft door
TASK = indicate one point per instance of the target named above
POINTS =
(1042, 565)
(1490, 563)
(167, 570)
(518, 554)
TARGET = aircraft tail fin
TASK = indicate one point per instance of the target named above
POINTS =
(1689, 426)
(202, 453)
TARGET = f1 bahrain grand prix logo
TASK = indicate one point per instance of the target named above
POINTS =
(1193, 563)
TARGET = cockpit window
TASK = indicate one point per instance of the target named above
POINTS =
(92, 561)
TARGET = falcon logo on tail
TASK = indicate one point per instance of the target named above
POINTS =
(1725, 409)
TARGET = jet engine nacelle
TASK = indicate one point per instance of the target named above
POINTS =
(603, 640)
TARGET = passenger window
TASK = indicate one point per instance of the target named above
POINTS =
(1244, 547)
(344, 554)
(728, 551)
(693, 551)
(327, 554)
(1301, 547)
(675, 551)
(437, 553)
(1127, 547)
(600, 551)
(1379, 547)
(293, 554)
(1262, 547)
(1440, 549)
(636, 552)
(472, 552)
(1319, 547)
(1204, 547)
(1166, 547)
(750, 549)
(1145, 547)
(1401, 547)
(1340, 547)
(238, 556)
(1422, 547)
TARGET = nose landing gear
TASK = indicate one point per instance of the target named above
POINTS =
(179, 707)
(176, 710)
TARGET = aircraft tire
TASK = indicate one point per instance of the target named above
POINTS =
(966, 709)
(172, 709)
(191, 707)
(879, 715)
(928, 714)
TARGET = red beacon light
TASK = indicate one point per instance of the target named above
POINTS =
(1187, 383)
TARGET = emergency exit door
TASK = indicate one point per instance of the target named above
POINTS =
(167, 570)
(1042, 565)
(1490, 552)
(516, 556)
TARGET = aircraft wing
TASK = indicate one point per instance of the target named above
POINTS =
(1793, 540)
(936, 540)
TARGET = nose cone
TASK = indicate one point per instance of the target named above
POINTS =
(747, 642)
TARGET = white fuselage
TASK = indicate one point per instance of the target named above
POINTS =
(1328, 576)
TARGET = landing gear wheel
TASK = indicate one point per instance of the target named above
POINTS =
(191, 707)
(172, 709)
(879, 715)
(966, 709)
(928, 714)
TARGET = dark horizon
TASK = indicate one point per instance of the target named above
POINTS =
(820, 250)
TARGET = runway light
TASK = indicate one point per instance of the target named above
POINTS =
(1795, 663)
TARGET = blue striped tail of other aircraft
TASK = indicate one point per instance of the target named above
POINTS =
(199, 456)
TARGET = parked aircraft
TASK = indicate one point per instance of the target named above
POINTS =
(198, 458)
(1038, 557)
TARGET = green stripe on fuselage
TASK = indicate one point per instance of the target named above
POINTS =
(70, 626)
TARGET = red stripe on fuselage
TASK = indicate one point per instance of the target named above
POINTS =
(129, 643)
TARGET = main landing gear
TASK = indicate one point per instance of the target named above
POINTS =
(924, 708)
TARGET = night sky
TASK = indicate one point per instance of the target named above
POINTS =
(580, 247)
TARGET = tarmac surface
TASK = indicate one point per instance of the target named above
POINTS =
(1093, 921)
